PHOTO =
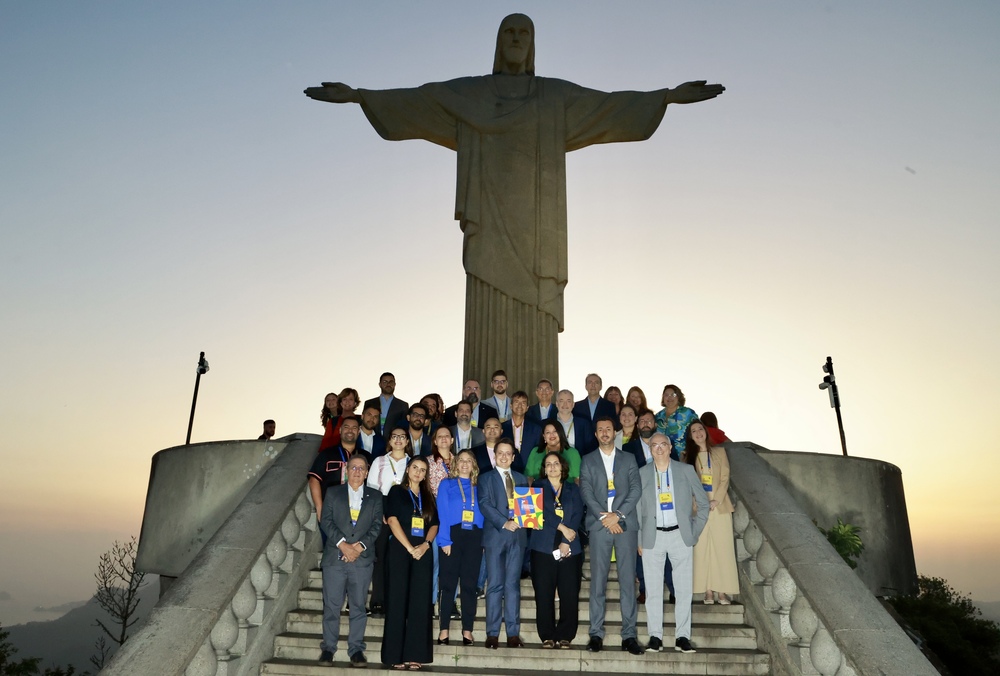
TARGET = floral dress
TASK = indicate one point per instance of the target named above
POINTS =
(674, 426)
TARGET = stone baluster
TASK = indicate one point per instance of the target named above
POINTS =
(224, 635)
(784, 590)
(753, 539)
(824, 653)
(767, 565)
(277, 552)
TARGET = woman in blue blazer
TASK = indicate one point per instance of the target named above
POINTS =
(556, 553)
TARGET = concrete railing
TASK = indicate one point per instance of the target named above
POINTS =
(221, 615)
(813, 614)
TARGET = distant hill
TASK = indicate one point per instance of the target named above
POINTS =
(70, 638)
(989, 609)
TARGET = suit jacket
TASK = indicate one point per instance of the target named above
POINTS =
(426, 446)
(583, 440)
(535, 413)
(483, 460)
(478, 438)
(531, 436)
(594, 486)
(495, 405)
(396, 414)
(549, 537)
(687, 494)
(604, 408)
(336, 522)
(485, 413)
(634, 446)
(378, 444)
(493, 503)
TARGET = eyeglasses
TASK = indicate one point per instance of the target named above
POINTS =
(660, 444)
(670, 395)
(357, 469)
(418, 415)
(398, 437)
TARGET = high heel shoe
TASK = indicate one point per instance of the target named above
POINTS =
(443, 641)
(466, 640)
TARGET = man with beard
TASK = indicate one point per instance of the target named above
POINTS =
(638, 445)
(369, 439)
(466, 436)
(499, 401)
(421, 443)
(330, 466)
(391, 409)
(481, 411)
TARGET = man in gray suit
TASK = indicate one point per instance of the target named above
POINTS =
(351, 520)
(669, 526)
(466, 436)
(609, 481)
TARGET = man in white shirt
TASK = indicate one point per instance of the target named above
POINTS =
(466, 436)
(609, 482)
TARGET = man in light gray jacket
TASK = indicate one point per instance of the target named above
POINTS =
(669, 526)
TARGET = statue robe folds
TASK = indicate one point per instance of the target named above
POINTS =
(511, 198)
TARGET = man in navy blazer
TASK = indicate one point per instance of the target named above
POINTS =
(351, 520)
(545, 408)
(420, 439)
(486, 452)
(391, 410)
(503, 544)
(525, 432)
(369, 438)
(594, 406)
(579, 430)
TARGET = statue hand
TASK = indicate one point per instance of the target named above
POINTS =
(334, 92)
(693, 92)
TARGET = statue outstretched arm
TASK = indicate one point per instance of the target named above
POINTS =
(334, 92)
(689, 92)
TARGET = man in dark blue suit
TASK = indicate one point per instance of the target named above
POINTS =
(486, 451)
(420, 440)
(545, 408)
(594, 406)
(369, 438)
(525, 432)
(579, 430)
(503, 544)
(481, 411)
(391, 409)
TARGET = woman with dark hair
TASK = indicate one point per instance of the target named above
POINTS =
(440, 462)
(628, 417)
(411, 515)
(674, 419)
(460, 542)
(553, 441)
(714, 562)
(387, 471)
(716, 437)
(556, 561)
(327, 417)
(637, 398)
(614, 395)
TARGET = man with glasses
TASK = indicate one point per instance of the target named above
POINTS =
(544, 409)
(391, 409)
(421, 442)
(669, 527)
(351, 521)
(499, 401)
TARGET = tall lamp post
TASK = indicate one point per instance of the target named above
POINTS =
(830, 383)
(202, 368)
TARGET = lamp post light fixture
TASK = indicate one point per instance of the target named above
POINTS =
(202, 368)
(830, 384)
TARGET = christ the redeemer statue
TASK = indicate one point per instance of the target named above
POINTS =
(512, 131)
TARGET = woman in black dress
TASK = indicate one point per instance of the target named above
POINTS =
(411, 515)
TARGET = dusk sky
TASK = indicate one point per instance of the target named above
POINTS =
(166, 188)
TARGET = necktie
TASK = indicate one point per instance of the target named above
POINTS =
(509, 483)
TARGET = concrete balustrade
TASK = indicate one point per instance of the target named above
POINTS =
(813, 614)
(221, 615)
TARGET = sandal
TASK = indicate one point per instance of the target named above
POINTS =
(724, 600)
(564, 644)
(709, 599)
(401, 667)
(414, 666)
(549, 644)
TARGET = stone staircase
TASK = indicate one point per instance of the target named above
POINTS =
(725, 643)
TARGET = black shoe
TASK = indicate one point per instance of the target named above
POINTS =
(358, 660)
(672, 599)
(596, 644)
(654, 645)
(326, 658)
(480, 593)
(377, 610)
(444, 641)
(492, 642)
(631, 645)
(683, 645)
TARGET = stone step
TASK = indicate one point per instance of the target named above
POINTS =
(312, 600)
(304, 623)
(478, 661)
(315, 581)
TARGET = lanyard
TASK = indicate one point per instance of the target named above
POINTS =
(395, 478)
(557, 492)
(418, 504)
(462, 491)
(660, 474)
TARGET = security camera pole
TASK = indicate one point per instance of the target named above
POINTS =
(829, 383)
(203, 368)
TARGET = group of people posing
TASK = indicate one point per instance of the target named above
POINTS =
(415, 502)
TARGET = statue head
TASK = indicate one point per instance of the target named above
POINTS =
(515, 45)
